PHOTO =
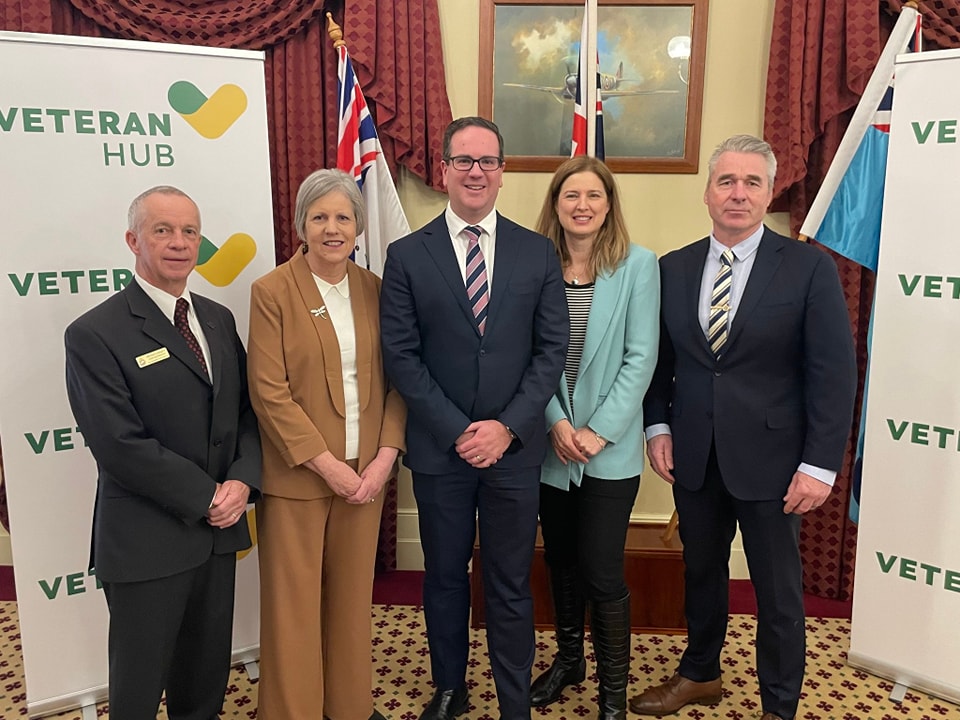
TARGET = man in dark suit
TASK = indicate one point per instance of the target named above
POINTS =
(157, 381)
(474, 330)
(747, 416)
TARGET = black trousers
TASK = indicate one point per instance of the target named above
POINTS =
(503, 504)
(771, 541)
(172, 633)
(586, 527)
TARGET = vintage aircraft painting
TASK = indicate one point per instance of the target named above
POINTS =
(535, 55)
(610, 85)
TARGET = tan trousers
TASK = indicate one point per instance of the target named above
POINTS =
(316, 582)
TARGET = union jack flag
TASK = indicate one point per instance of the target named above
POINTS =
(580, 135)
(359, 154)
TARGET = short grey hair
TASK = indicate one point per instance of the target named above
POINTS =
(323, 182)
(135, 213)
(745, 144)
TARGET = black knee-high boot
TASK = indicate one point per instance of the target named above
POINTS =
(610, 628)
(569, 666)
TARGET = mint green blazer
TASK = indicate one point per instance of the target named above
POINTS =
(619, 356)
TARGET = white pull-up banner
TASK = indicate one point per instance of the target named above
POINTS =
(906, 602)
(85, 126)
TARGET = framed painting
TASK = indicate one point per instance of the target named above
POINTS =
(651, 64)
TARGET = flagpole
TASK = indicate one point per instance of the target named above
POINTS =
(589, 83)
(335, 32)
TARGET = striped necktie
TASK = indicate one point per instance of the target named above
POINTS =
(720, 304)
(477, 290)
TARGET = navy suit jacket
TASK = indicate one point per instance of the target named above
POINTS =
(163, 435)
(447, 373)
(783, 389)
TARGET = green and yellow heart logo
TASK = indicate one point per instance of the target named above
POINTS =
(220, 266)
(213, 116)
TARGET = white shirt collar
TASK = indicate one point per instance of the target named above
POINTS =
(342, 287)
(164, 300)
(457, 223)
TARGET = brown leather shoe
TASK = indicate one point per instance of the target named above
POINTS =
(676, 692)
(771, 716)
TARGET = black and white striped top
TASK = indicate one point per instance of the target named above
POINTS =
(579, 299)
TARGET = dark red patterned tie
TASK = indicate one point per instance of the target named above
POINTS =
(183, 325)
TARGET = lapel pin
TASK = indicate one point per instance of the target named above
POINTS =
(320, 312)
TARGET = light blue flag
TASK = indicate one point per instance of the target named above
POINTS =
(851, 225)
(847, 212)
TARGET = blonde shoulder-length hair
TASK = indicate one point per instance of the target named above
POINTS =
(612, 244)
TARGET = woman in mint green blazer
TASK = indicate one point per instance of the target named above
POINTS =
(595, 417)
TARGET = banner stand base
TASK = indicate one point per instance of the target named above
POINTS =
(252, 669)
(89, 712)
(903, 679)
(898, 693)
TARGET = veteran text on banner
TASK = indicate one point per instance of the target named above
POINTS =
(907, 591)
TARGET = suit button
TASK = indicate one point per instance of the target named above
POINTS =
(717, 373)
(217, 443)
(483, 353)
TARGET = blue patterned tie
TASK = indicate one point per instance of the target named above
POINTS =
(720, 304)
(477, 289)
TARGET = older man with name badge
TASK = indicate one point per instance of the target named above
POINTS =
(156, 377)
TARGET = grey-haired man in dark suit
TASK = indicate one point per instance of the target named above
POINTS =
(156, 377)
(747, 417)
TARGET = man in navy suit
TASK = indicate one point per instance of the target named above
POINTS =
(166, 415)
(474, 331)
(747, 417)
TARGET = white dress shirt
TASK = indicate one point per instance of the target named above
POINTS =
(168, 305)
(488, 243)
(336, 298)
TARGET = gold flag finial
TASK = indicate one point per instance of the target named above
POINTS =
(335, 33)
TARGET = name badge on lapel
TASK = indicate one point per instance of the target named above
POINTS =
(153, 357)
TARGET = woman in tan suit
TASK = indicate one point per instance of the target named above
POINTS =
(331, 432)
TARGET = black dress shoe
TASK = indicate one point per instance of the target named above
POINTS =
(376, 715)
(446, 704)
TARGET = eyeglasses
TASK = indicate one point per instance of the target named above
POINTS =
(464, 163)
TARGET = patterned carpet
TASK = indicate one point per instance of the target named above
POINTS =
(832, 689)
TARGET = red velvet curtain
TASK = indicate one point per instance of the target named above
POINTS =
(821, 56)
(396, 51)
